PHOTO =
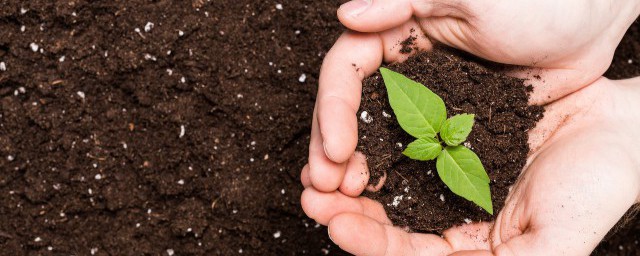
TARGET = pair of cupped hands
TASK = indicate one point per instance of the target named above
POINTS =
(583, 171)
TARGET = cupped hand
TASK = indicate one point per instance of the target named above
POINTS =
(566, 44)
(571, 42)
(579, 151)
(582, 175)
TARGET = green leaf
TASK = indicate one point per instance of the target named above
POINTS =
(423, 149)
(420, 112)
(456, 129)
(462, 171)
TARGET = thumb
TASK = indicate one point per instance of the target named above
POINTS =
(380, 15)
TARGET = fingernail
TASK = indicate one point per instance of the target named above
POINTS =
(329, 233)
(326, 152)
(356, 7)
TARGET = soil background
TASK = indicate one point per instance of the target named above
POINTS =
(413, 194)
(123, 137)
(159, 127)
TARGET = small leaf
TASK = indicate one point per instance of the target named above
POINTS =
(462, 171)
(456, 129)
(423, 149)
(420, 112)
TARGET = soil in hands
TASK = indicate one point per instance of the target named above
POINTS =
(413, 195)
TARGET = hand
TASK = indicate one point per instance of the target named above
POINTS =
(582, 175)
(568, 44)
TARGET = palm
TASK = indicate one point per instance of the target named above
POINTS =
(569, 179)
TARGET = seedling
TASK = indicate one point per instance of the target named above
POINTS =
(423, 115)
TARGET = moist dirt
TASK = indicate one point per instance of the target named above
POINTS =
(413, 194)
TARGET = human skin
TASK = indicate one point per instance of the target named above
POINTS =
(568, 57)
(569, 44)
(576, 185)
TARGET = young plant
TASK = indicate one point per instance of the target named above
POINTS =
(423, 115)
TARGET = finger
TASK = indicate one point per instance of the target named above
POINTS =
(362, 235)
(511, 221)
(472, 253)
(401, 42)
(323, 206)
(527, 244)
(356, 177)
(380, 15)
(334, 130)
(324, 174)
(454, 33)
(473, 236)
(304, 176)
(338, 123)
(353, 57)
(534, 243)
(378, 186)
(550, 85)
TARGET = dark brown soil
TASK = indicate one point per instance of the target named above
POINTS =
(413, 195)
(407, 45)
(92, 156)
(626, 62)
(196, 194)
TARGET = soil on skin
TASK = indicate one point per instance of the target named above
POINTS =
(408, 45)
(413, 195)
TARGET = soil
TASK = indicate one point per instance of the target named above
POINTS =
(413, 195)
(158, 127)
(408, 45)
(626, 61)
(106, 150)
